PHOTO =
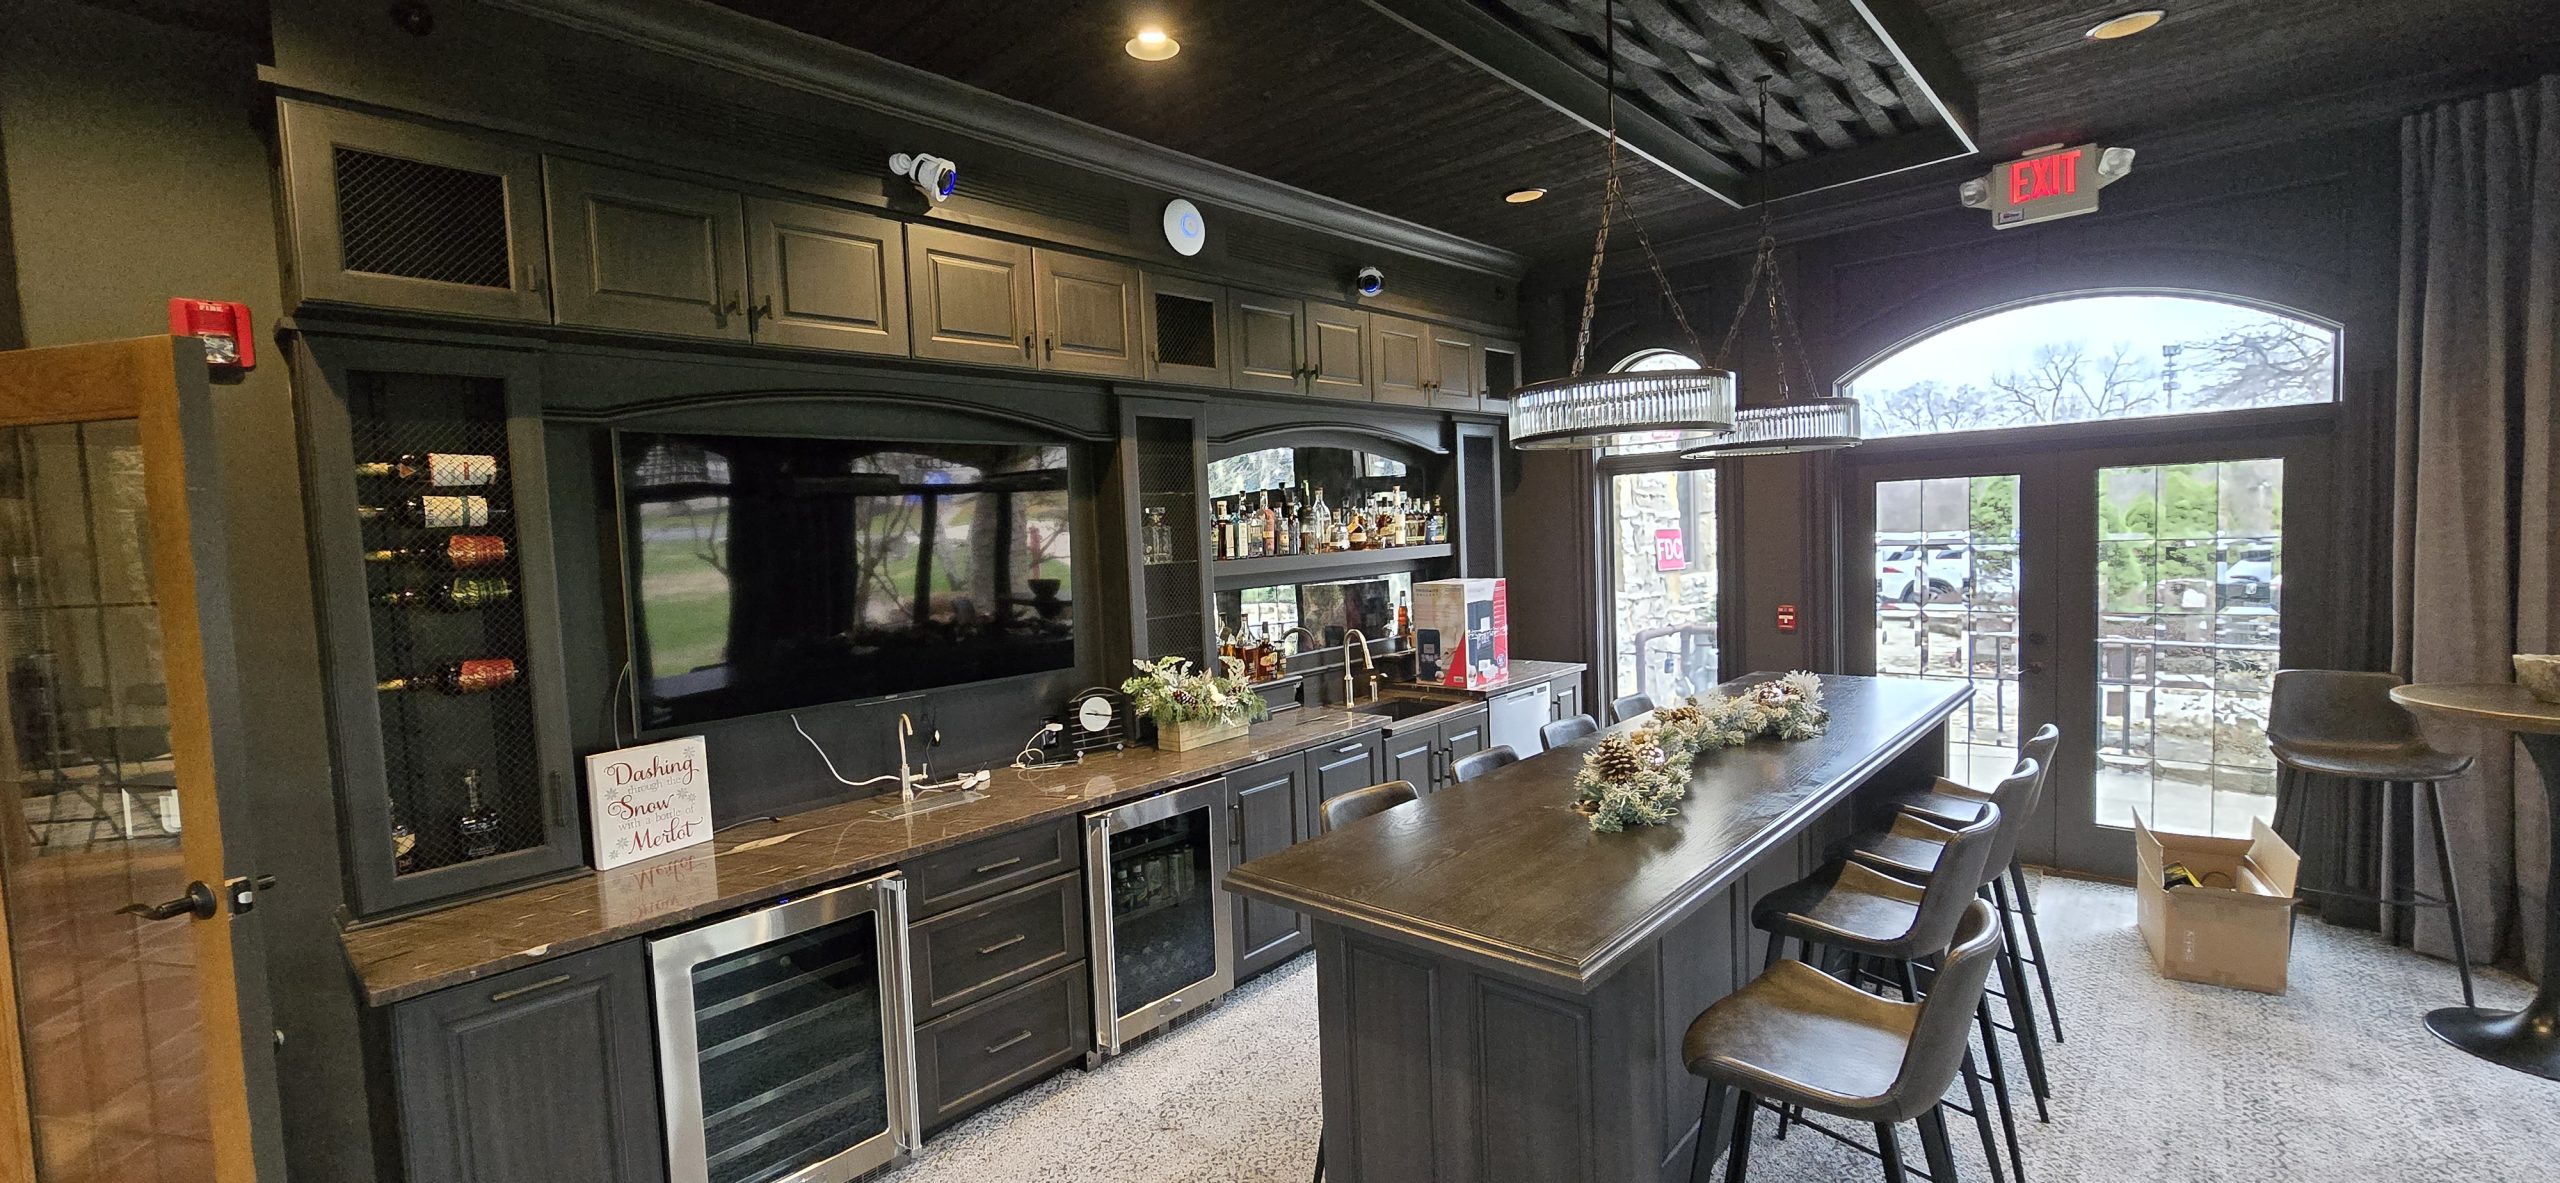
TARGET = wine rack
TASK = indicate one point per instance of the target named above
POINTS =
(424, 482)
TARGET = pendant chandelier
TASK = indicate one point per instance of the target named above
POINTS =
(1641, 410)
(1811, 423)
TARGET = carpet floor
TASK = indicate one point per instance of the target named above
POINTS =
(2160, 1082)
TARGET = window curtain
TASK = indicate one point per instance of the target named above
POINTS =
(2474, 569)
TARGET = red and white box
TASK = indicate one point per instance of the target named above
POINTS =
(1464, 629)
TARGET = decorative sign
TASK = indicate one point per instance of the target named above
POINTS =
(2050, 183)
(1786, 618)
(1670, 550)
(647, 801)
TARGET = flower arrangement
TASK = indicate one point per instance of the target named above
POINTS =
(1638, 777)
(1170, 692)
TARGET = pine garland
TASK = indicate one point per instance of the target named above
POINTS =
(1638, 777)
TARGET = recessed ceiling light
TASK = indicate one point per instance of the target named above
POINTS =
(1152, 45)
(1524, 196)
(2126, 25)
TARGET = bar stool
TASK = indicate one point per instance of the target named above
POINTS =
(1628, 706)
(2343, 724)
(1798, 1037)
(1359, 803)
(1564, 731)
(1955, 804)
(1474, 764)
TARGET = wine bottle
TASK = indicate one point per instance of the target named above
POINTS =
(436, 511)
(458, 551)
(1218, 531)
(461, 593)
(468, 676)
(442, 469)
(478, 824)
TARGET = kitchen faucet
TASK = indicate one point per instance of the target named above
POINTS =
(907, 777)
(1350, 692)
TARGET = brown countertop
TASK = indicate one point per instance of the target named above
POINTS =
(1524, 672)
(754, 863)
(1504, 872)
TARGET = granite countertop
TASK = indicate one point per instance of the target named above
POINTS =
(757, 862)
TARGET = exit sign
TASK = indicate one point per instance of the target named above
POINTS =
(2044, 185)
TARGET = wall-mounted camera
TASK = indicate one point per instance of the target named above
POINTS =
(1369, 282)
(932, 176)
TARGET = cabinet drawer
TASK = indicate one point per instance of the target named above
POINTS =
(991, 866)
(975, 1055)
(968, 954)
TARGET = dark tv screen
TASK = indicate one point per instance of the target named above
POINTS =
(766, 573)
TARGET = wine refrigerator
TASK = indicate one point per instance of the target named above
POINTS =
(786, 1046)
(1158, 919)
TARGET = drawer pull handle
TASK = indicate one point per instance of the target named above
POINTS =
(999, 865)
(1007, 1042)
(1346, 749)
(544, 984)
(1001, 946)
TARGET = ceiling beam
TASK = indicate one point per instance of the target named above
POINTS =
(1923, 54)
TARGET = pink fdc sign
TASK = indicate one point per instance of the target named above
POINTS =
(1670, 550)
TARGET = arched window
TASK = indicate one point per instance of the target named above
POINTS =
(2098, 357)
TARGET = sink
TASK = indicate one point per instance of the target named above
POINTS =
(1402, 708)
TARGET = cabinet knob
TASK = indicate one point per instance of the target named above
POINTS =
(1049, 348)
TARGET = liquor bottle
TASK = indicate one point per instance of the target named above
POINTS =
(469, 676)
(478, 824)
(461, 593)
(1359, 530)
(1218, 530)
(1310, 533)
(1265, 521)
(404, 842)
(1404, 621)
(1337, 531)
(1437, 528)
(436, 511)
(459, 551)
(443, 469)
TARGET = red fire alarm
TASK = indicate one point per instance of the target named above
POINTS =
(1786, 618)
(222, 325)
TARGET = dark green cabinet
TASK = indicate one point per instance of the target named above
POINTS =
(1461, 736)
(1455, 378)
(827, 278)
(1087, 315)
(1567, 696)
(1337, 350)
(1413, 755)
(1339, 767)
(970, 298)
(645, 253)
(1400, 361)
(1269, 810)
(535, 1076)
(1497, 372)
(1268, 341)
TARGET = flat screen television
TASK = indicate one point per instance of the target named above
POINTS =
(764, 573)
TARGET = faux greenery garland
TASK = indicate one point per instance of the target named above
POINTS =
(1169, 691)
(1638, 777)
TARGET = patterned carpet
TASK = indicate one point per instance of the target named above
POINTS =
(2160, 1082)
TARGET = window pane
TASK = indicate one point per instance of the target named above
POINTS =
(1663, 582)
(2093, 358)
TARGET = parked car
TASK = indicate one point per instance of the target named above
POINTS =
(2250, 579)
(1904, 575)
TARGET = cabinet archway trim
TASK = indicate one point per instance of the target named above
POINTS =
(916, 415)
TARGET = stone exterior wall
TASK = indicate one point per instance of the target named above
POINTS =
(1646, 599)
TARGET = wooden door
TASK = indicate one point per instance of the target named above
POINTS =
(1269, 342)
(131, 1048)
(827, 278)
(969, 298)
(648, 254)
(1267, 803)
(1337, 352)
(1455, 383)
(1186, 330)
(1088, 314)
(1400, 359)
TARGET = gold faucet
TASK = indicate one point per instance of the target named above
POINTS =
(1350, 692)
(906, 777)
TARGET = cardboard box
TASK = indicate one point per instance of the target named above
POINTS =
(1463, 627)
(2235, 931)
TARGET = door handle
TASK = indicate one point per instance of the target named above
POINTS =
(1049, 348)
(763, 311)
(198, 904)
(1026, 345)
(2035, 638)
(729, 308)
(2032, 667)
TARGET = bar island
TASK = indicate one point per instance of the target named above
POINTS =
(1502, 992)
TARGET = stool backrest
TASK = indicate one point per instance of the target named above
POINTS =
(1964, 865)
(1474, 764)
(1564, 731)
(2017, 795)
(2332, 705)
(1628, 706)
(1359, 803)
(1944, 1028)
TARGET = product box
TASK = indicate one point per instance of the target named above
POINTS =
(1463, 627)
(2234, 930)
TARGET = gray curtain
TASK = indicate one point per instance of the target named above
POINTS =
(2474, 564)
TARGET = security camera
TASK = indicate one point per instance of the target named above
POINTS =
(932, 176)
(1371, 281)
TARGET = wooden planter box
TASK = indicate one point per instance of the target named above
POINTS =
(1182, 737)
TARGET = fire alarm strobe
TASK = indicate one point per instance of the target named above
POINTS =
(223, 326)
(2048, 183)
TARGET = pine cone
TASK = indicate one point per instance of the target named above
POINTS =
(1620, 759)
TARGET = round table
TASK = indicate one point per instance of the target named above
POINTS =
(2527, 1040)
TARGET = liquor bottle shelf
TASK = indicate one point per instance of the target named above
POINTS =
(1235, 573)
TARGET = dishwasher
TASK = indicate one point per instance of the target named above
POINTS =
(1514, 717)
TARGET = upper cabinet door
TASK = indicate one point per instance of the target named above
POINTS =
(1185, 326)
(1269, 342)
(1338, 352)
(1400, 361)
(827, 278)
(1454, 382)
(1497, 372)
(399, 216)
(969, 298)
(645, 253)
(1088, 315)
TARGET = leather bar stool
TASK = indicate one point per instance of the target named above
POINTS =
(1955, 804)
(1628, 706)
(1797, 1037)
(1359, 803)
(2343, 724)
(1564, 731)
(1474, 764)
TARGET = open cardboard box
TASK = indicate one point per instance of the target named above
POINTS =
(2236, 932)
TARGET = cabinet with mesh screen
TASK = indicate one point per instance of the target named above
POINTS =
(1186, 330)
(431, 546)
(1163, 456)
(396, 215)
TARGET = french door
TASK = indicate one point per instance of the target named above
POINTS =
(2133, 594)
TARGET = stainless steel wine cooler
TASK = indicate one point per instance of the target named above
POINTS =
(786, 1045)
(1158, 920)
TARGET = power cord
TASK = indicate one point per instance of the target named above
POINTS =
(831, 764)
(1031, 756)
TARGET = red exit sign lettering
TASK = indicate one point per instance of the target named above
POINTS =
(2042, 178)
(2053, 183)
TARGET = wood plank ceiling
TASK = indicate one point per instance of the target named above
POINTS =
(1342, 99)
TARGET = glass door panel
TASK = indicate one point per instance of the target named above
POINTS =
(1663, 583)
(1947, 562)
